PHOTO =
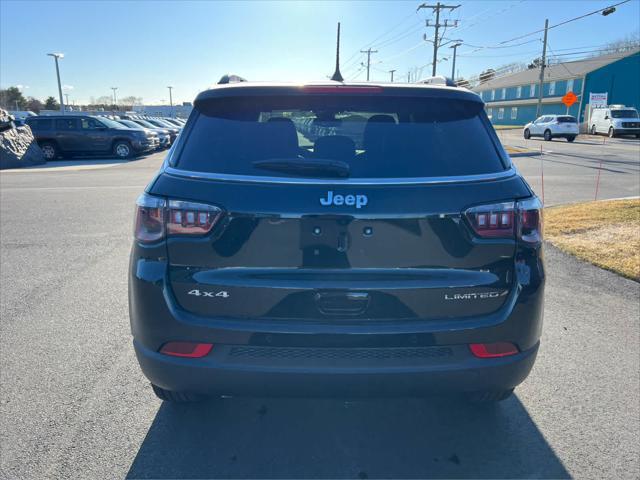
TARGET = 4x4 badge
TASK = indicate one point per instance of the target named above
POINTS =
(358, 200)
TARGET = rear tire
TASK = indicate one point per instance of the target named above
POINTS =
(570, 139)
(122, 149)
(527, 134)
(547, 135)
(175, 397)
(491, 396)
(49, 150)
(593, 130)
(612, 132)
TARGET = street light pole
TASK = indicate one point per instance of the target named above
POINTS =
(391, 72)
(453, 68)
(170, 99)
(66, 96)
(56, 56)
(115, 97)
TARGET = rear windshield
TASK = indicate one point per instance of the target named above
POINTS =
(567, 120)
(376, 137)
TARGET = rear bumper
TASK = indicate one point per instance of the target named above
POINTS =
(277, 371)
(285, 357)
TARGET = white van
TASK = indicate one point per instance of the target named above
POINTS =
(615, 120)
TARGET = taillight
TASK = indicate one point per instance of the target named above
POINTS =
(157, 218)
(189, 218)
(530, 223)
(495, 220)
(186, 349)
(505, 220)
(493, 350)
(149, 223)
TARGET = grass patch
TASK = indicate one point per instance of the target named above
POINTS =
(507, 127)
(605, 233)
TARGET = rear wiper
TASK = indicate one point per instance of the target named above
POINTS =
(306, 167)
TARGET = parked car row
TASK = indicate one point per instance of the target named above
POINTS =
(614, 121)
(123, 136)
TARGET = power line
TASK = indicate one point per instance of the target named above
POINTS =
(566, 21)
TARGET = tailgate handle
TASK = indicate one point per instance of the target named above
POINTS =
(342, 303)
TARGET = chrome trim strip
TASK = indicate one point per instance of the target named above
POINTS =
(330, 181)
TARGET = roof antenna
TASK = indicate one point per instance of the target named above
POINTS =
(337, 76)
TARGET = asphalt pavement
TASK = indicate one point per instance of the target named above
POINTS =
(592, 167)
(73, 403)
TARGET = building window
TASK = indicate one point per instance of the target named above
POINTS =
(514, 113)
(504, 93)
(569, 85)
(532, 90)
(519, 92)
(552, 88)
(500, 113)
(493, 94)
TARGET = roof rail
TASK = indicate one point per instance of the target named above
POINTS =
(230, 78)
(438, 80)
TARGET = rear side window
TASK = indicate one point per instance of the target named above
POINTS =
(377, 137)
(567, 119)
(40, 123)
(66, 124)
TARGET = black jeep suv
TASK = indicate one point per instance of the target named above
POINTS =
(336, 239)
(68, 135)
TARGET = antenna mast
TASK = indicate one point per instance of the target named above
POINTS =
(337, 76)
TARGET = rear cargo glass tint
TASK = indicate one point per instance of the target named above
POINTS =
(375, 136)
(567, 120)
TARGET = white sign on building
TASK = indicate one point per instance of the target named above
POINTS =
(598, 100)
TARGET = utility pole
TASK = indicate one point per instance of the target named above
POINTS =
(436, 8)
(544, 61)
(115, 98)
(453, 67)
(368, 52)
(56, 56)
(391, 72)
(66, 96)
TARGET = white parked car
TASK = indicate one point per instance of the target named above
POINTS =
(615, 120)
(552, 126)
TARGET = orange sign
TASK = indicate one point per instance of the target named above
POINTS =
(569, 99)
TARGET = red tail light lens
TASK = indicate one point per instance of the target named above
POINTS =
(495, 220)
(149, 222)
(504, 220)
(189, 218)
(186, 349)
(530, 224)
(493, 350)
(155, 218)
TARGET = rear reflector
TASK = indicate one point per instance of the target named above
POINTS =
(493, 350)
(186, 349)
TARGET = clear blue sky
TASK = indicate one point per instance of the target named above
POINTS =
(141, 47)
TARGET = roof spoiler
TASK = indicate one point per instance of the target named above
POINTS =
(438, 80)
(230, 78)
